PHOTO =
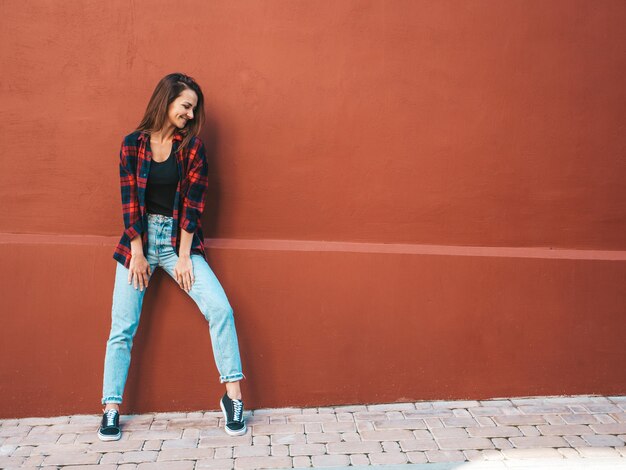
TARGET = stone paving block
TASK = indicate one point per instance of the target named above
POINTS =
(432, 423)
(278, 429)
(339, 427)
(418, 445)
(538, 441)
(47, 449)
(262, 440)
(605, 418)
(416, 457)
(495, 431)
(461, 443)
(473, 455)
(485, 421)
(263, 462)
(531, 453)
(44, 421)
(493, 454)
(223, 453)
(520, 420)
(127, 466)
(6, 462)
(386, 435)
(614, 428)
(355, 460)
(461, 413)
(186, 423)
(8, 449)
(287, 439)
(598, 452)
(170, 415)
(543, 409)
(572, 418)
(369, 416)
(390, 446)
(139, 456)
(72, 459)
(568, 452)
(11, 431)
(302, 461)
(225, 440)
(354, 447)
(432, 413)
(307, 449)
(608, 408)
(345, 417)
(448, 432)
(316, 418)
(445, 456)
(456, 404)
(529, 431)
(391, 407)
(186, 454)
(576, 441)
(278, 411)
(506, 403)
(309, 411)
(350, 408)
(110, 446)
(401, 424)
(330, 460)
(251, 451)
(387, 458)
(191, 434)
(564, 430)
(277, 419)
(555, 419)
(501, 443)
(148, 435)
(312, 427)
(322, 437)
(279, 450)
(364, 426)
(215, 463)
(183, 465)
(394, 415)
(603, 440)
(459, 421)
(619, 417)
(489, 411)
(183, 443)
(37, 439)
(67, 438)
(23, 451)
(350, 437)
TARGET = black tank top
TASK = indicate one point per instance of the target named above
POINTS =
(161, 187)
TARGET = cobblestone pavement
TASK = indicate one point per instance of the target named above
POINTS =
(543, 432)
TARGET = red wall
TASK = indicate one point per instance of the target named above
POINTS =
(491, 130)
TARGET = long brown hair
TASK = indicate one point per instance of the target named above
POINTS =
(166, 91)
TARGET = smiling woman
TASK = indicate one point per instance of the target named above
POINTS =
(163, 179)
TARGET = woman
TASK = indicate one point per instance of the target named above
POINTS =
(163, 176)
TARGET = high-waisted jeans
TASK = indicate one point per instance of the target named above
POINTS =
(206, 292)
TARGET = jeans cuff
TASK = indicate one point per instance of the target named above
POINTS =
(112, 399)
(232, 377)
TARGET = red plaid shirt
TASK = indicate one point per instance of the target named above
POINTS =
(135, 158)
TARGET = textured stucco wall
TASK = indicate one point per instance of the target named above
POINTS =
(378, 124)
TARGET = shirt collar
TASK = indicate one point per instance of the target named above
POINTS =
(178, 136)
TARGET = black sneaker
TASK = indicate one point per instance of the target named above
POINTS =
(233, 416)
(110, 426)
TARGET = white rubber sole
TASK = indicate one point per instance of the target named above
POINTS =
(228, 431)
(102, 437)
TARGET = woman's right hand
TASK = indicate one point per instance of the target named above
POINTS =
(139, 271)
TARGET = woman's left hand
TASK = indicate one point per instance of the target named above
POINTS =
(183, 272)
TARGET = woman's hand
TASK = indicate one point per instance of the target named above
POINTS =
(184, 272)
(139, 271)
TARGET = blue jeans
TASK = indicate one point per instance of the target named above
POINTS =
(206, 292)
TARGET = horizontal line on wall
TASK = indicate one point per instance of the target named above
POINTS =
(327, 246)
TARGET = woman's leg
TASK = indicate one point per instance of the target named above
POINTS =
(125, 313)
(209, 295)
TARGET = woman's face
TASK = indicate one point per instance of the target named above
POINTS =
(182, 108)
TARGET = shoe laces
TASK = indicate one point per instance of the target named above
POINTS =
(238, 409)
(111, 417)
